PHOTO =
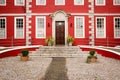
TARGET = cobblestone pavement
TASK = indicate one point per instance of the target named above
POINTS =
(35, 69)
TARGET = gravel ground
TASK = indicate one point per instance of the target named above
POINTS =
(13, 69)
(104, 69)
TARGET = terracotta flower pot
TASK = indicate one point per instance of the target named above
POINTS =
(70, 44)
(93, 60)
(24, 58)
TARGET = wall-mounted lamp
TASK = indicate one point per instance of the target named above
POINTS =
(70, 24)
(48, 24)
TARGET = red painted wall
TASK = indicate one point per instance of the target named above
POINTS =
(103, 53)
(40, 41)
(10, 40)
(69, 7)
(81, 41)
(14, 52)
(109, 40)
(108, 8)
(11, 8)
(50, 7)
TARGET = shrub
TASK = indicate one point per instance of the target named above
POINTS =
(70, 39)
(25, 52)
(50, 40)
(92, 52)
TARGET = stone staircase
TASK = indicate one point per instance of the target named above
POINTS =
(58, 51)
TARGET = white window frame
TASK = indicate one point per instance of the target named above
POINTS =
(115, 3)
(5, 27)
(3, 4)
(104, 27)
(75, 3)
(15, 36)
(60, 4)
(15, 2)
(96, 2)
(37, 3)
(44, 26)
(83, 26)
(114, 27)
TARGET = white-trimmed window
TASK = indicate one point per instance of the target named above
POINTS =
(19, 27)
(40, 27)
(2, 28)
(2, 2)
(40, 2)
(100, 2)
(117, 27)
(59, 2)
(116, 2)
(78, 2)
(19, 2)
(100, 27)
(79, 27)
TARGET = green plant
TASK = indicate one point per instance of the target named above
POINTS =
(92, 52)
(70, 39)
(91, 57)
(25, 52)
(50, 40)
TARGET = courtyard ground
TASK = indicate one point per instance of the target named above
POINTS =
(47, 68)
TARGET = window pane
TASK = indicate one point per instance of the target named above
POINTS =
(2, 28)
(100, 28)
(40, 27)
(79, 28)
(40, 2)
(117, 2)
(117, 28)
(59, 2)
(19, 2)
(2, 2)
(19, 28)
(79, 2)
(100, 2)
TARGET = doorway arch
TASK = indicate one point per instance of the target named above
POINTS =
(59, 15)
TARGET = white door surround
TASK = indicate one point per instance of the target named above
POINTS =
(60, 15)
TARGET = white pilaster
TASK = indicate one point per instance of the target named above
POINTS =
(91, 21)
(28, 21)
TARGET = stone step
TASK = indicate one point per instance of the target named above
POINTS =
(58, 48)
(58, 51)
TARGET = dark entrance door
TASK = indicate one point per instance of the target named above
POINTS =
(60, 32)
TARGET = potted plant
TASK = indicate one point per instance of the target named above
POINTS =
(24, 56)
(50, 41)
(70, 40)
(91, 57)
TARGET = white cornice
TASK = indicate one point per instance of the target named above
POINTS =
(46, 14)
(12, 14)
(107, 14)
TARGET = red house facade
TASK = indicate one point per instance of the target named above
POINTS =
(90, 22)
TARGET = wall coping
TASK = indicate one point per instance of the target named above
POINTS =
(101, 48)
(18, 47)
